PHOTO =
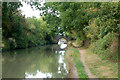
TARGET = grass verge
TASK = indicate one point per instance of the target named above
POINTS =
(100, 67)
(74, 53)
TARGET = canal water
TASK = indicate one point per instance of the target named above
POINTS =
(38, 62)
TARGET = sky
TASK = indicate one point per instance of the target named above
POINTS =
(28, 11)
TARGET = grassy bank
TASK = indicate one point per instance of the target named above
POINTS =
(74, 53)
(100, 67)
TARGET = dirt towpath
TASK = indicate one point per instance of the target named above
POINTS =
(82, 52)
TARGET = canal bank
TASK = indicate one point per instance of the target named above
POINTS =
(90, 65)
(71, 66)
(75, 66)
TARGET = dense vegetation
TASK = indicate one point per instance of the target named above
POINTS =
(19, 32)
(96, 23)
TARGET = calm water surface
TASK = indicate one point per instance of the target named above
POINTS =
(39, 62)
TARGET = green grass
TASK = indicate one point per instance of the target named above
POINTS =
(80, 68)
(101, 68)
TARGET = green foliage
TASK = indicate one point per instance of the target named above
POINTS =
(21, 42)
(12, 25)
(101, 30)
(104, 23)
(39, 32)
(79, 42)
(68, 17)
(102, 47)
(12, 44)
(21, 32)
(79, 21)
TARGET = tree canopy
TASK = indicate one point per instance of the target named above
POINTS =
(93, 22)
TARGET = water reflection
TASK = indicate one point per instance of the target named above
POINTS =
(62, 68)
(62, 62)
(42, 62)
(63, 46)
(39, 75)
(62, 43)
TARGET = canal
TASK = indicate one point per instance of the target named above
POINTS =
(37, 62)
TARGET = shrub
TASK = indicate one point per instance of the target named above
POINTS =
(21, 42)
(102, 47)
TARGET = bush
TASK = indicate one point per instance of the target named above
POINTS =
(102, 47)
(12, 44)
(21, 42)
